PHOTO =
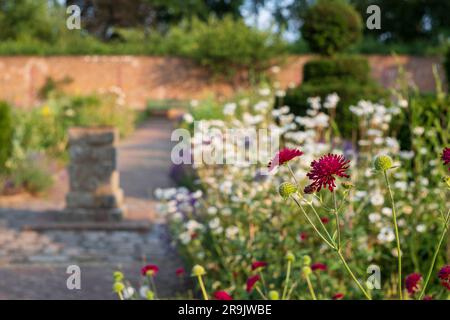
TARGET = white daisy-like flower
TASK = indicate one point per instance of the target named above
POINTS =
(386, 235)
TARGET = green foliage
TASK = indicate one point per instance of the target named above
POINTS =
(350, 92)
(331, 26)
(339, 68)
(6, 133)
(447, 68)
(34, 179)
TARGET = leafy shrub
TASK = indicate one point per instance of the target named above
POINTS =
(6, 133)
(350, 92)
(351, 67)
(331, 26)
(34, 179)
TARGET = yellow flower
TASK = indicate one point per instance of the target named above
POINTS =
(46, 111)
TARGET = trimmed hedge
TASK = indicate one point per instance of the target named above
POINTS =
(6, 133)
(338, 68)
(331, 26)
(350, 92)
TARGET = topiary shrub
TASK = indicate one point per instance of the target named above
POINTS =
(6, 133)
(348, 67)
(331, 26)
(350, 92)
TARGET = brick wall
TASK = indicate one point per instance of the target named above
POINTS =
(143, 78)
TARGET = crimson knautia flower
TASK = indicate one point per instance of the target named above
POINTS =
(324, 170)
(251, 282)
(283, 156)
(338, 296)
(444, 276)
(446, 157)
(222, 295)
(412, 282)
(150, 270)
(318, 266)
(258, 264)
(180, 271)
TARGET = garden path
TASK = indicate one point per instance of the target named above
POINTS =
(33, 262)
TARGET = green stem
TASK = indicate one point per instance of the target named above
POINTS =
(310, 287)
(293, 175)
(312, 224)
(286, 282)
(338, 227)
(202, 286)
(321, 223)
(152, 281)
(120, 295)
(352, 275)
(399, 252)
(433, 261)
(260, 292)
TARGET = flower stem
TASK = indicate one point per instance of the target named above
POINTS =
(120, 295)
(293, 175)
(433, 261)
(152, 281)
(286, 282)
(321, 223)
(202, 286)
(338, 226)
(399, 252)
(310, 287)
(352, 275)
(260, 292)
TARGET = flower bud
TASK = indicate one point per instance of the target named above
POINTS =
(118, 287)
(198, 270)
(290, 257)
(347, 185)
(150, 295)
(383, 163)
(447, 181)
(274, 295)
(306, 260)
(286, 189)
(306, 271)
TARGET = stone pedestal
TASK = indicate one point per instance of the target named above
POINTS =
(94, 193)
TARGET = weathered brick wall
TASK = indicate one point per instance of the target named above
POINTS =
(143, 78)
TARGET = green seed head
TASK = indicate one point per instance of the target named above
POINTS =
(286, 189)
(118, 276)
(306, 271)
(118, 287)
(198, 270)
(447, 181)
(150, 295)
(306, 260)
(274, 295)
(290, 257)
(383, 163)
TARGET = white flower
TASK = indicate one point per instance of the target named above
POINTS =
(232, 232)
(197, 194)
(314, 102)
(128, 292)
(143, 291)
(214, 223)
(193, 225)
(275, 69)
(264, 91)
(188, 118)
(418, 131)
(401, 185)
(177, 216)
(374, 217)
(407, 155)
(194, 103)
(331, 101)
(386, 235)
(403, 103)
(212, 211)
(377, 199)
(386, 211)
(226, 211)
(421, 228)
(229, 109)
(185, 237)
(280, 93)
(261, 106)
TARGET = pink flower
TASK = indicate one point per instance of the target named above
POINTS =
(303, 236)
(284, 156)
(150, 270)
(412, 282)
(338, 296)
(222, 295)
(258, 264)
(324, 170)
(444, 276)
(251, 282)
(180, 271)
(446, 157)
(318, 266)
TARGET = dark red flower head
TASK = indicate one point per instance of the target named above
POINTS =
(324, 170)
(150, 270)
(222, 295)
(258, 264)
(252, 281)
(338, 296)
(318, 266)
(180, 271)
(283, 156)
(324, 220)
(428, 297)
(412, 282)
(303, 236)
(444, 276)
(446, 156)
